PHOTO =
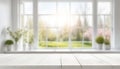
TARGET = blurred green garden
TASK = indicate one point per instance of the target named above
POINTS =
(65, 44)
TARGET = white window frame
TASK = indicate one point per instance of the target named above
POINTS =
(95, 20)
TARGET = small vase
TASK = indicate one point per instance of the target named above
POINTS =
(24, 46)
(8, 48)
(30, 47)
(100, 46)
(107, 47)
(15, 46)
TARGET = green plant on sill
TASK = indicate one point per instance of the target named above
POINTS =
(106, 42)
(9, 42)
(30, 40)
(100, 40)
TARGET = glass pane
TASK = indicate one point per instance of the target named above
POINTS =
(88, 30)
(77, 38)
(104, 26)
(47, 21)
(21, 8)
(77, 7)
(108, 27)
(63, 36)
(42, 37)
(47, 8)
(89, 8)
(52, 33)
(27, 26)
(74, 20)
(28, 8)
(63, 21)
(100, 25)
(63, 8)
(81, 31)
(104, 8)
(77, 21)
(28, 22)
(77, 31)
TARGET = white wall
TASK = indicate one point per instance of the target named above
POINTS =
(117, 23)
(5, 18)
(15, 13)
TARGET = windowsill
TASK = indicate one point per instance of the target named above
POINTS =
(67, 51)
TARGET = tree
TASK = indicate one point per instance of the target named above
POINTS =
(79, 30)
(42, 31)
(64, 32)
(86, 24)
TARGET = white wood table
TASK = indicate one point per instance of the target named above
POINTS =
(59, 61)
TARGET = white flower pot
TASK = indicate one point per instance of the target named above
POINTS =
(107, 47)
(24, 46)
(15, 47)
(8, 48)
(100, 46)
(30, 46)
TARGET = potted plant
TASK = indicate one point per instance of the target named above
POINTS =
(107, 44)
(100, 41)
(30, 42)
(8, 44)
(16, 35)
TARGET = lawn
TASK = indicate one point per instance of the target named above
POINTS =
(65, 44)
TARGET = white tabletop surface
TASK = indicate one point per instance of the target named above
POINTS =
(60, 61)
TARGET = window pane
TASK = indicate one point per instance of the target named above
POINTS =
(104, 8)
(104, 26)
(82, 27)
(52, 33)
(63, 36)
(77, 31)
(63, 8)
(88, 8)
(28, 8)
(77, 7)
(101, 25)
(88, 30)
(42, 37)
(47, 21)
(48, 37)
(27, 26)
(47, 8)
(63, 21)
(81, 8)
(77, 38)
(77, 21)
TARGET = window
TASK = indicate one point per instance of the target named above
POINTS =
(26, 21)
(66, 24)
(81, 24)
(105, 19)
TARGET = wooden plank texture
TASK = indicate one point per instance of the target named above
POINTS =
(59, 61)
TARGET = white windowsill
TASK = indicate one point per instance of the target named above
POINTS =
(67, 51)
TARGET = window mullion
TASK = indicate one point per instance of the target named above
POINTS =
(47, 37)
(57, 23)
(70, 41)
(94, 23)
(35, 23)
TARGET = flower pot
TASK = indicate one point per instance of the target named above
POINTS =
(30, 46)
(107, 47)
(100, 46)
(8, 48)
(15, 47)
(24, 46)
